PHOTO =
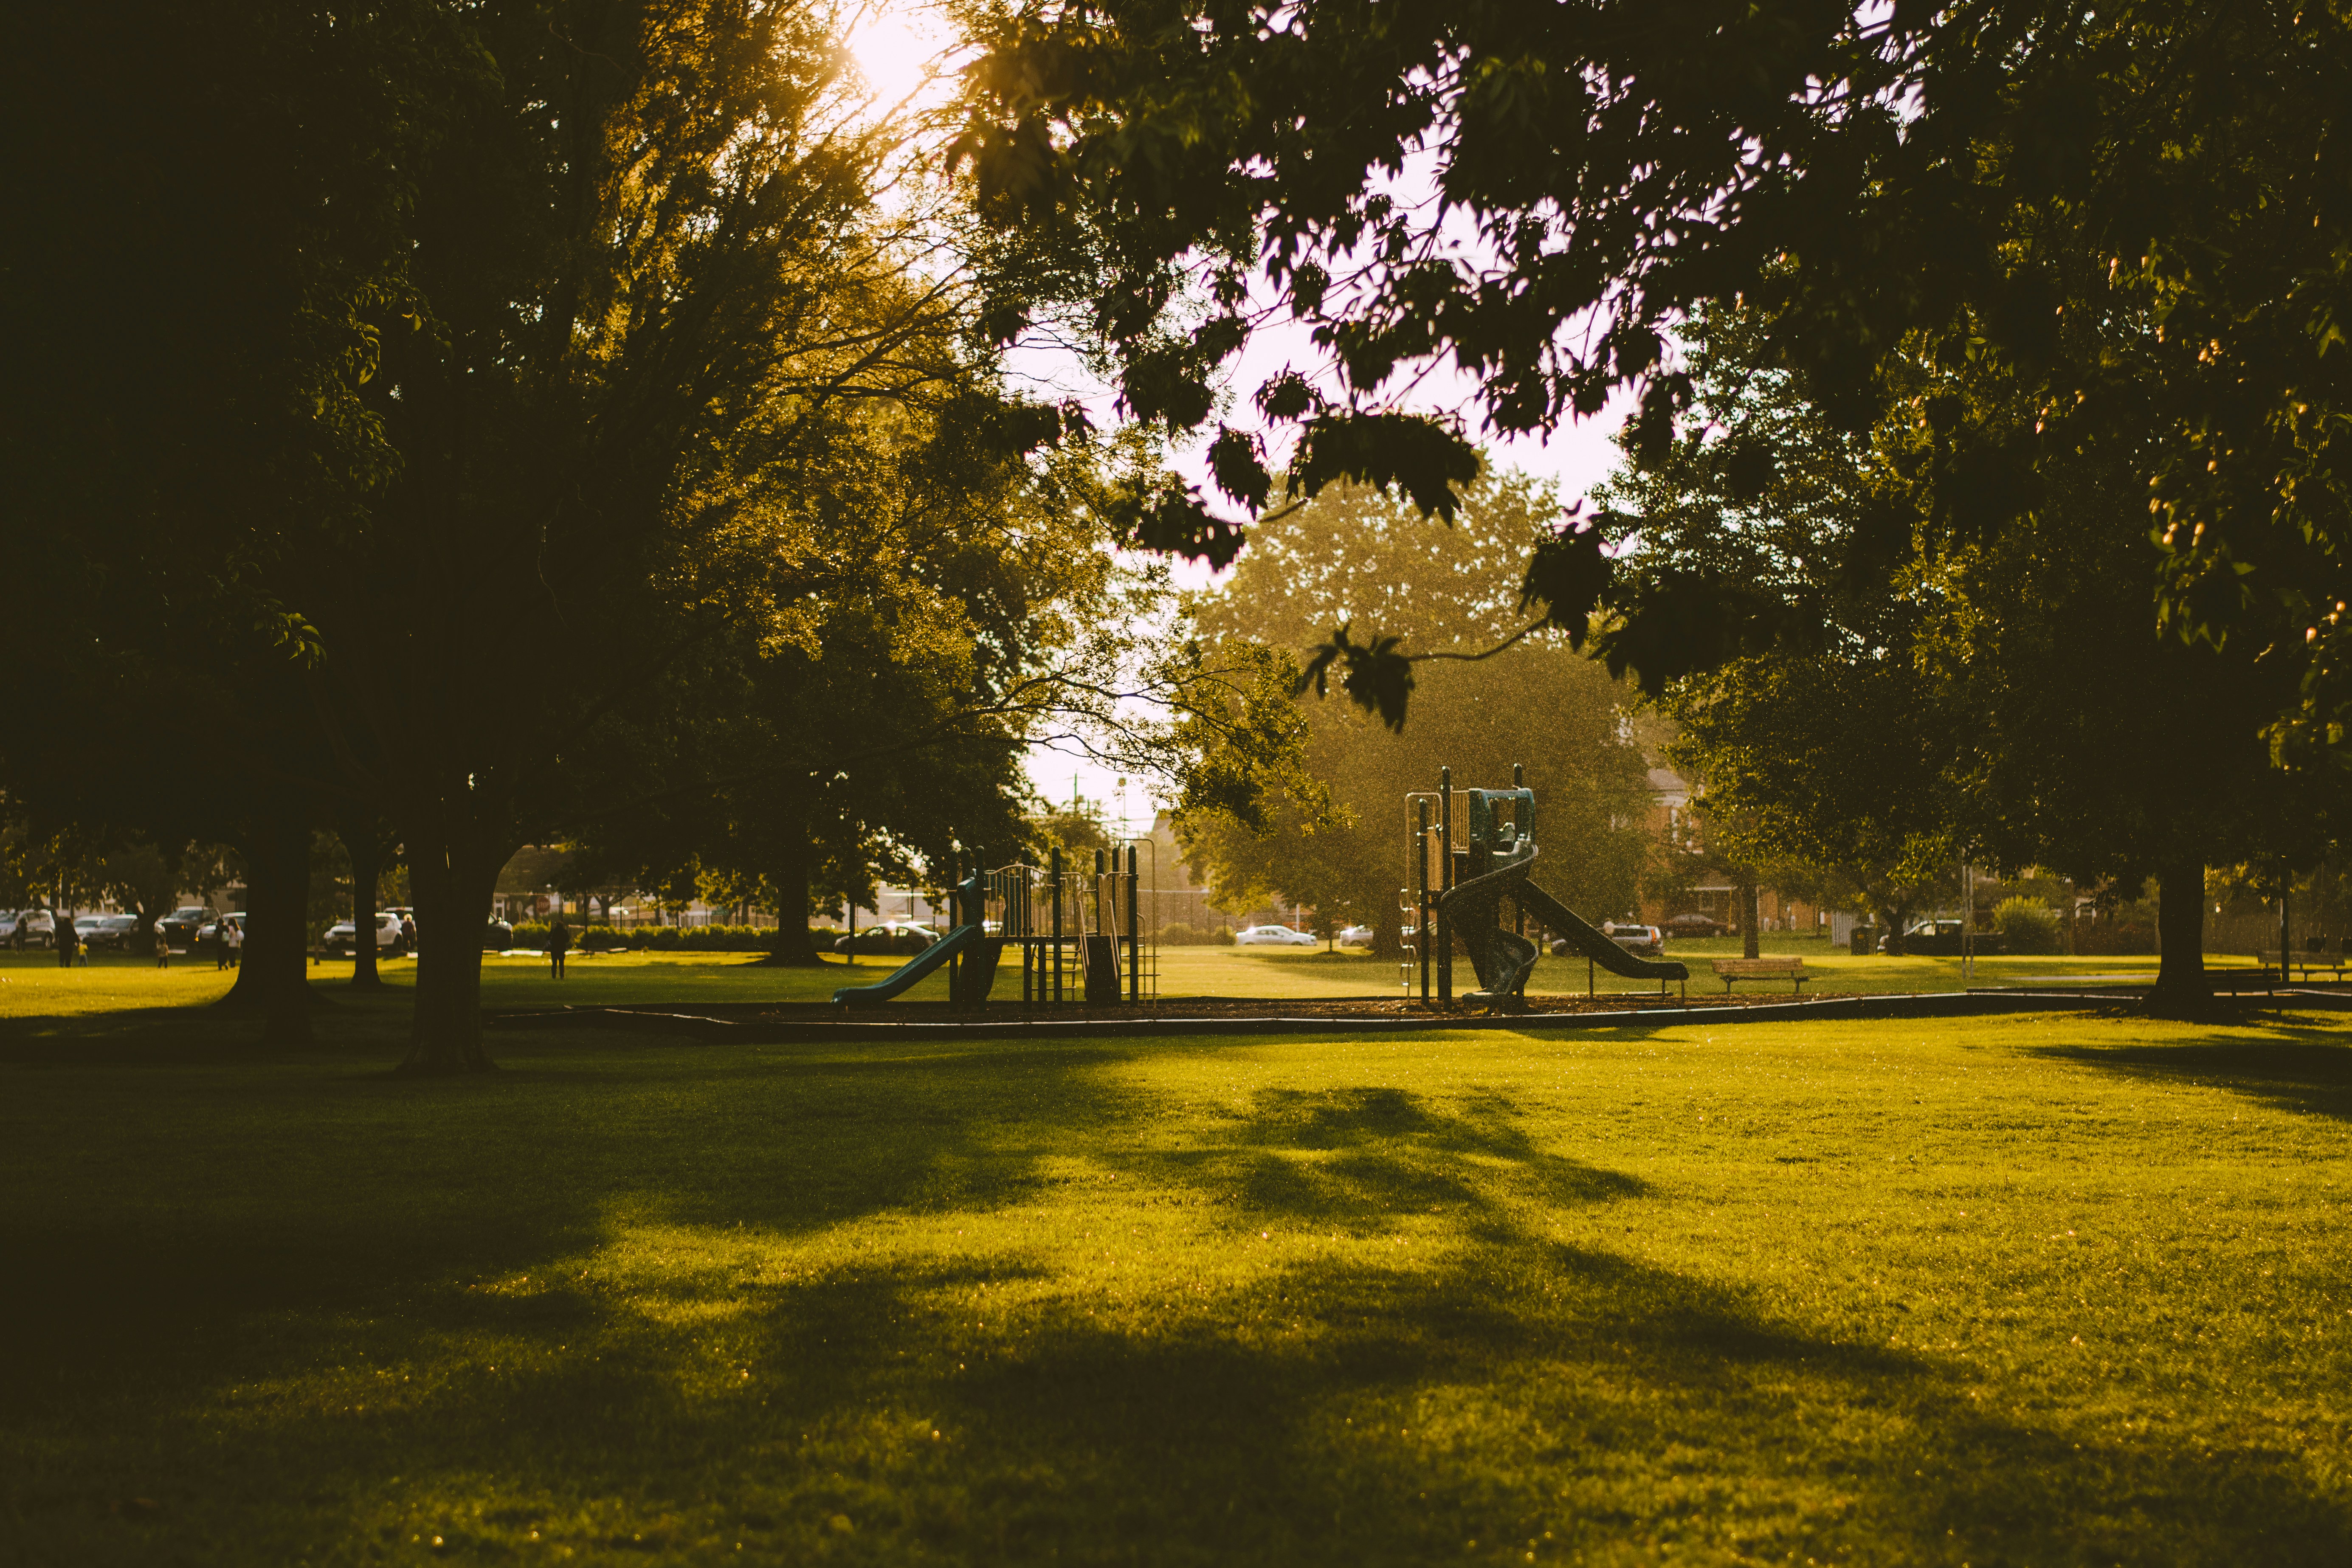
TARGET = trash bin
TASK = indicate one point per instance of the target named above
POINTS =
(1865, 941)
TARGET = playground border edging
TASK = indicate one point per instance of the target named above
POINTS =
(1893, 1005)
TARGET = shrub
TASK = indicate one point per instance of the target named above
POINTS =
(2113, 938)
(1178, 933)
(2026, 927)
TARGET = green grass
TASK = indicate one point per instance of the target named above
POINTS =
(32, 986)
(2058, 1289)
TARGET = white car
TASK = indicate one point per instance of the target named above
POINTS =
(339, 935)
(1640, 939)
(1272, 936)
(1356, 936)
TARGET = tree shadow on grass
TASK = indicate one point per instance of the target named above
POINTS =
(1334, 1412)
(1362, 1157)
(2294, 1066)
(331, 1384)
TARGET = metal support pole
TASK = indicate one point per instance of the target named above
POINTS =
(1445, 875)
(955, 918)
(2287, 955)
(1134, 931)
(1967, 924)
(1055, 872)
(1420, 888)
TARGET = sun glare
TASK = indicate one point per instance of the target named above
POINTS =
(892, 56)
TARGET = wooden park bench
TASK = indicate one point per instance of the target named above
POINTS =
(1730, 969)
(2332, 965)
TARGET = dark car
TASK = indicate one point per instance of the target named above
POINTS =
(497, 936)
(1941, 939)
(891, 936)
(180, 926)
(1695, 925)
(109, 933)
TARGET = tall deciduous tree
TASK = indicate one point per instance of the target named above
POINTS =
(1904, 691)
(648, 272)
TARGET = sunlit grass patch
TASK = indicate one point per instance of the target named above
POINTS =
(2043, 1288)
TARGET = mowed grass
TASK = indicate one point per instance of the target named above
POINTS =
(31, 984)
(2041, 1289)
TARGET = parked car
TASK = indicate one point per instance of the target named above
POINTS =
(1647, 941)
(496, 936)
(342, 941)
(890, 936)
(1272, 936)
(107, 933)
(211, 928)
(1695, 925)
(1356, 936)
(180, 926)
(13, 923)
(1941, 939)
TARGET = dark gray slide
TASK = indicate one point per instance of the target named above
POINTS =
(914, 969)
(1592, 941)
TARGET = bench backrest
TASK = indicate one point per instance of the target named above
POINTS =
(1758, 965)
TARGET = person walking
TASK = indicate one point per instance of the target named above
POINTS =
(232, 936)
(559, 942)
(69, 940)
(162, 949)
(220, 942)
(408, 935)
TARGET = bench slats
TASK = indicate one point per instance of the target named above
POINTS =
(1790, 969)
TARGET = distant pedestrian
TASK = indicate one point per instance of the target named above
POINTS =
(408, 935)
(233, 934)
(162, 949)
(69, 940)
(559, 942)
(220, 942)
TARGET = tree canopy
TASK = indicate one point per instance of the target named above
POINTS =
(2136, 214)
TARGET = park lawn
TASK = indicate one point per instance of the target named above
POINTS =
(31, 984)
(2051, 1288)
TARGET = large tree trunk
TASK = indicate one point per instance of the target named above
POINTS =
(2180, 983)
(271, 977)
(1894, 918)
(365, 846)
(793, 945)
(1751, 918)
(453, 885)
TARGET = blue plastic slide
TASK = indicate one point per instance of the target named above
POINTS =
(963, 939)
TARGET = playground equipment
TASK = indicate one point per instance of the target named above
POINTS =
(1457, 893)
(1080, 935)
